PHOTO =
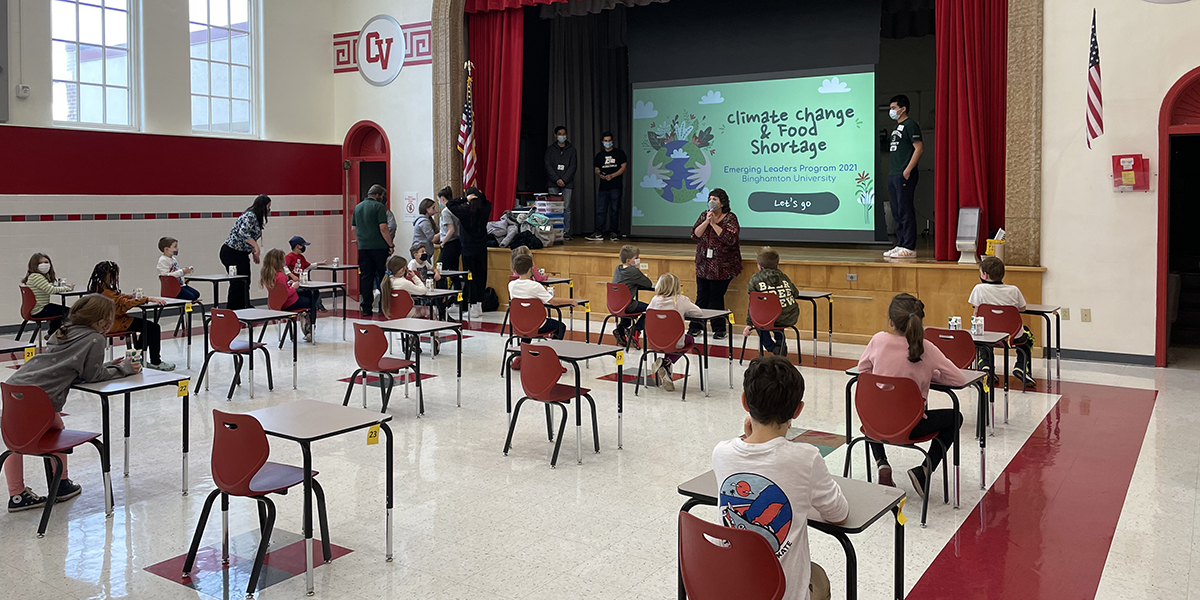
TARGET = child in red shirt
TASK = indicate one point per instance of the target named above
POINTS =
(296, 263)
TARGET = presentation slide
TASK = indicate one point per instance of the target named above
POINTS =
(795, 155)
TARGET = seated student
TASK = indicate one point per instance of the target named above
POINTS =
(525, 287)
(75, 354)
(421, 266)
(106, 280)
(297, 264)
(537, 276)
(771, 485)
(993, 290)
(904, 352)
(397, 277)
(274, 273)
(630, 274)
(667, 296)
(42, 280)
(769, 279)
(168, 264)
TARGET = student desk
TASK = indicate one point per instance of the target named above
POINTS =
(76, 293)
(707, 315)
(14, 346)
(321, 286)
(1044, 311)
(147, 379)
(216, 283)
(973, 379)
(250, 316)
(308, 421)
(185, 307)
(335, 269)
(869, 502)
(414, 329)
(434, 296)
(574, 353)
(460, 277)
(812, 297)
(987, 341)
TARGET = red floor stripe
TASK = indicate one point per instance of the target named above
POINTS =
(1044, 528)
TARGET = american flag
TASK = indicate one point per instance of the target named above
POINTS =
(466, 139)
(1095, 102)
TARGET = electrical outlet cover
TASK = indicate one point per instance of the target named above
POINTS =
(1066, 314)
(23, 91)
(1085, 315)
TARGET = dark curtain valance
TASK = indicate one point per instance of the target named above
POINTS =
(578, 8)
(474, 6)
(906, 18)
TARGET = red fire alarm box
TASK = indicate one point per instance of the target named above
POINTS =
(1130, 173)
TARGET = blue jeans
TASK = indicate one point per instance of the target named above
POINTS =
(188, 293)
(901, 191)
(636, 306)
(767, 343)
(607, 204)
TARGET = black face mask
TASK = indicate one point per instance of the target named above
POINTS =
(422, 258)
(991, 282)
(302, 249)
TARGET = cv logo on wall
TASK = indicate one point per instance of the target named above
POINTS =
(380, 50)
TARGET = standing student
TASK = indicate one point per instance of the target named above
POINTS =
(168, 264)
(273, 274)
(718, 257)
(448, 235)
(629, 272)
(241, 246)
(561, 163)
(668, 296)
(43, 282)
(370, 226)
(106, 280)
(424, 229)
(905, 150)
(904, 352)
(473, 211)
(609, 164)
(74, 354)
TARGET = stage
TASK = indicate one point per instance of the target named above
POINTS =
(861, 280)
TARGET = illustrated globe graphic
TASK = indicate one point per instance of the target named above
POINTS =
(677, 158)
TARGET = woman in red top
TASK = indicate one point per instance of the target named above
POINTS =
(718, 257)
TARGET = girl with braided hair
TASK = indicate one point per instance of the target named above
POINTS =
(106, 281)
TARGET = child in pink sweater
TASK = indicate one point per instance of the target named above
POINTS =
(904, 352)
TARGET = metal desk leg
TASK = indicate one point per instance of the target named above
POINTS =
(416, 345)
(1058, 346)
(295, 347)
(620, 401)
(251, 353)
(578, 416)
(851, 565)
(458, 379)
(705, 357)
(127, 434)
(957, 477)
(814, 305)
(899, 552)
(186, 402)
(387, 431)
(189, 340)
(508, 358)
(108, 496)
(308, 533)
(1004, 378)
(345, 292)
(830, 327)
(729, 339)
(981, 433)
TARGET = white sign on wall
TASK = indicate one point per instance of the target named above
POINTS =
(381, 50)
(410, 207)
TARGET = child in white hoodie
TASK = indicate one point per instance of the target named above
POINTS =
(667, 296)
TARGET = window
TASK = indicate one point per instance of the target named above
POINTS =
(222, 64)
(92, 64)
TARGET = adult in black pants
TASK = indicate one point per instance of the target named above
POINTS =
(718, 257)
(473, 212)
(370, 226)
(447, 236)
(241, 246)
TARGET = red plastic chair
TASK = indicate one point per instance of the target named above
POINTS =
(526, 318)
(169, 287)
(889, 408)
(400, 304)
(370, 348)
(956, 344)
(663, 330)
(618, 299)
(26, 423)
(27, 302)
(765, 308)
(1006, 320)
(539, 380)
(709, 553)
(223, 337)
(276, 299)
(240, 468)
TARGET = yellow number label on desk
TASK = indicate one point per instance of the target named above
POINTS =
(731, 319)
(29, 353)
(182, 389)
(460, 296)
(587, 308)
(620, 358)
(373, 435)
(187, 307)
(900, 518)
(470, 277)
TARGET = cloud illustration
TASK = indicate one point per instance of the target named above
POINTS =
(702, 195)
(711, 98)
(833, 86)
(637, 212)
(650, 181)
(679, 153)
(644, 110)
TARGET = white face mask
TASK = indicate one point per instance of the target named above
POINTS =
(43, 268)
(713, 204)
(562, 139)
(608, 144)
(894, 114)
(637, 261)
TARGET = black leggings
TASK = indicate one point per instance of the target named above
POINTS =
(239, 291)
(945, 421)
(451, 251)
(52, 310)
(151, 342)
(476, 263)
(710, 293)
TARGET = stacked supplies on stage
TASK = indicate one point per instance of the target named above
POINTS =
(552, 207)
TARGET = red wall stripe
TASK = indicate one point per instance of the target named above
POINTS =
(71, 161)
(163, 216)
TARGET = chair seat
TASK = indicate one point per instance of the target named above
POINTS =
(393, 365)
(243, 347)
(117, 334)
(35, 319)
(626, 315)
(562, 393)
(771, 327)
(275, 477)
(684, 350)
(922, 439)
(57, 440)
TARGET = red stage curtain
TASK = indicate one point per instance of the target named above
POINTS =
(497, 48)
(970, 116)
(474, 6)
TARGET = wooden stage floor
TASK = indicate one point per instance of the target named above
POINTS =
(855, 254)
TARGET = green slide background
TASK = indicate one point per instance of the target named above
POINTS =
(695, 125)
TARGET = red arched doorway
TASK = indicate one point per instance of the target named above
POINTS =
(1178, 118)
(365, 157)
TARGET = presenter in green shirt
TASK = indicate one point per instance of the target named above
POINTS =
(905, 150)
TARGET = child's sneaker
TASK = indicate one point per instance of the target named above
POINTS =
(1026, 379)
(621, 337)
(26, 500)
(885, 476)
(67, 489)
(664, 376)
(916, 475)
(162, 366)
(633, 341)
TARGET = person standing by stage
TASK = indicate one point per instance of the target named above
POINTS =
(905, 151)
(241, 246)
(370, 226)
(718, 257)
(473, 212)
(560, 173)
(610, 164)
(447, 236)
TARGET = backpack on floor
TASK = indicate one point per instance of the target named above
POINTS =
(491, 301)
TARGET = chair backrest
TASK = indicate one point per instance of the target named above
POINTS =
(223, 329)
(400, 304)
(709, 553)
(27, 415)
(540, 370)
(370, 344)
(239, 450)
(27, 302)
(956, 344)
(168, 286)
(1001, 319)
(277, 297)
(663, 329)
(764, 309)
(618, 298)
(526, 316)
(889, 407)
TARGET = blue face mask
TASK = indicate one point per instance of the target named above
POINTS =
(608, 145)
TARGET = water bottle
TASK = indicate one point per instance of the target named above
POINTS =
(304, 277)
(337, 261)
(232, 271)
(955, 323)
(976, 325)
(429, 283)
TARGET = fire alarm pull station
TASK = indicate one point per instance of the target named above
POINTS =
(1130, 173)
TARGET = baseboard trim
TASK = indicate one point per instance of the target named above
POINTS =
(1110, 357)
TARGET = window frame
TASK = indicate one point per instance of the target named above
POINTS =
(133, 56)
(254, 59)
